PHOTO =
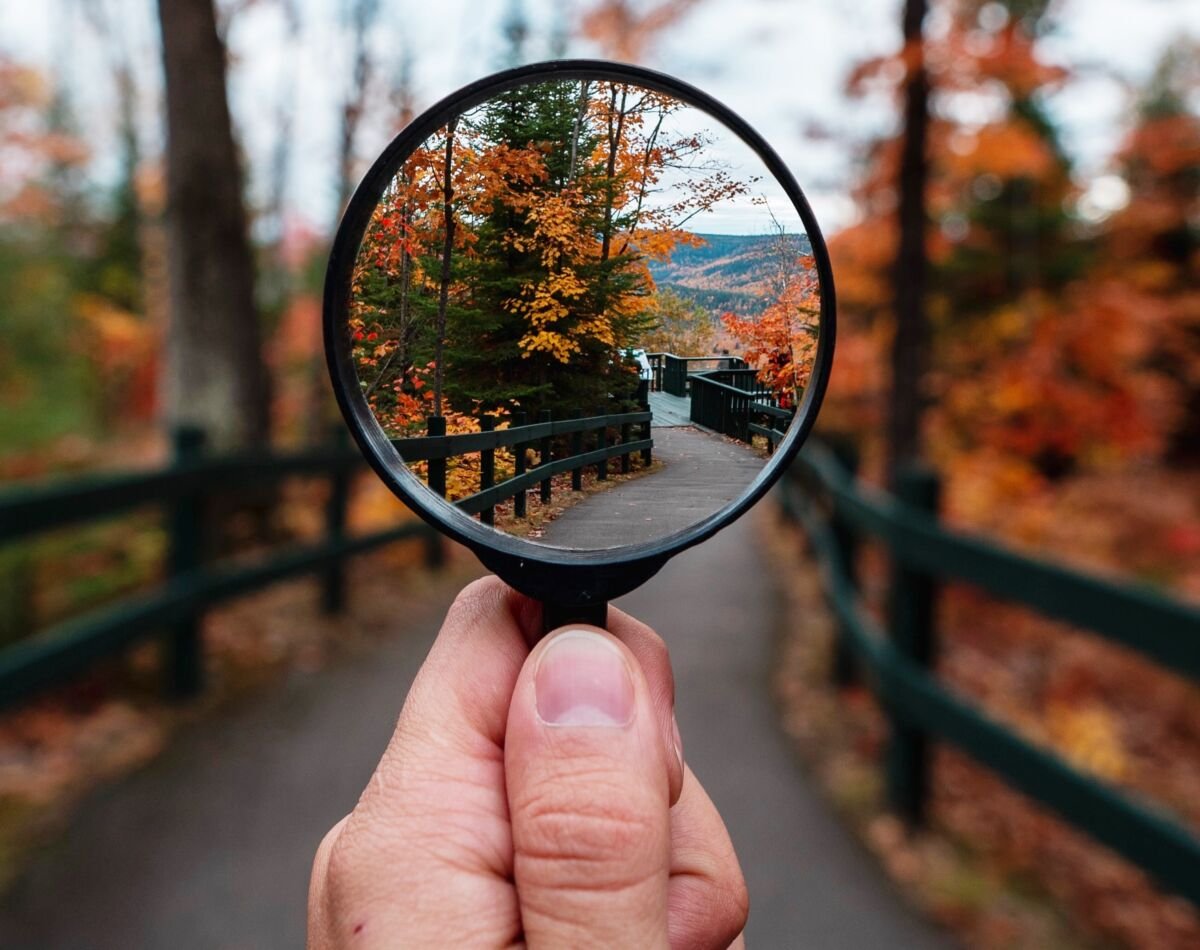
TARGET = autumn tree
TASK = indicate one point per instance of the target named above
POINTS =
(780, 338)
(679, 325)
(1152, 245)
(527, 229)
(1017, 369)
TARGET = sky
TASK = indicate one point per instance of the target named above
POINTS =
(781, 64)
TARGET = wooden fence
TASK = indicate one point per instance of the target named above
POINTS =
(589, 443)
(835, 511)
(673, 374)
(174, 610)
(736, 403)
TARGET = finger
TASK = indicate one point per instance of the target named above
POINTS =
(655, 660)
(707, 902)
(432, 823)
(588, 776)
(319, 924)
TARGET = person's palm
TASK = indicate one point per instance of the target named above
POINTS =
(531, 798)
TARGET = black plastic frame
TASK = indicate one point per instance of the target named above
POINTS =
(572, 583)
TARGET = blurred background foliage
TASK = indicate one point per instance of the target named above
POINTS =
(1049, 361)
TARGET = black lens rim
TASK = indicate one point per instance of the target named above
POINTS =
(517, 559)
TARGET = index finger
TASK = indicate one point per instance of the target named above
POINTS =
(432, 824)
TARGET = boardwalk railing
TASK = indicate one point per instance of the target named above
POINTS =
(835, 510)
(589, 444)
(174, 610)
(672, 374)
(736, 403)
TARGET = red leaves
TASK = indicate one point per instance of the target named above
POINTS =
(781, 342)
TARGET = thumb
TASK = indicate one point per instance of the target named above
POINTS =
(588, 790)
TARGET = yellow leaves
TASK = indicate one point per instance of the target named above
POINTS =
(551, 306)
(557, 345)
(117, 339)
(558, 231)
(1088, 736)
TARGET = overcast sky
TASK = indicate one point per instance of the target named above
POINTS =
(781, 64)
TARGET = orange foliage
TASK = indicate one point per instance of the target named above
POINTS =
(781, 342)
(29, 146)
(625, 33)
(124, 349)
(1029, 368)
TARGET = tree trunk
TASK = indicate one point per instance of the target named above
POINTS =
(444, 288)
(215, 375)
(580, 115)
(909, 346)
(362, 16)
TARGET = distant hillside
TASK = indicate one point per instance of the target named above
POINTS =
(726, 273)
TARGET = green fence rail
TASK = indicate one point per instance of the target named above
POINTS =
(835, 511)
(672, 374)
(736, 403)
(593, 441)
(173, 611)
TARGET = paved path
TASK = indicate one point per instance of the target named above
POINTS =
(210, 846)
(701, 473)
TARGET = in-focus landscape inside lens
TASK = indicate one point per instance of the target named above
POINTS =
(584, 313)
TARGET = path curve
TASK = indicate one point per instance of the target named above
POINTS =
(702, 472)
(210, 846)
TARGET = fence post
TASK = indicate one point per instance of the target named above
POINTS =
(518, 420)
(577, 449)
(646, 435)
(333, 580)
(602, 443)
(910, 623)
(626, 461)
(544, 450)
(435, 548)
(184, 647)
(846, 541)
(487, 470)
(437, 467)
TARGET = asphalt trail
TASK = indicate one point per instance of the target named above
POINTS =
(702, 472)
(210, 846)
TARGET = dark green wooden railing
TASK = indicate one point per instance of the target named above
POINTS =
(835, 510)
(589, 444)
(736, 403)
(174, 610)
(672, 374)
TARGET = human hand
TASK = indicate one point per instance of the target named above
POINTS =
(531, 797)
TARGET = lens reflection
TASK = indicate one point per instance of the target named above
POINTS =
(584, 313)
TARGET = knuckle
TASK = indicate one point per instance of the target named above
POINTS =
(601, 845)
(709, 913)
(475, 600)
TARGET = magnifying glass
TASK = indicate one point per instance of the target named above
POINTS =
(579, 317)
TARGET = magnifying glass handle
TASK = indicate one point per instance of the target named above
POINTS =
(555, 615)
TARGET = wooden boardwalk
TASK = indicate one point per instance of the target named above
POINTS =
(701, 473)
(670, 410)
